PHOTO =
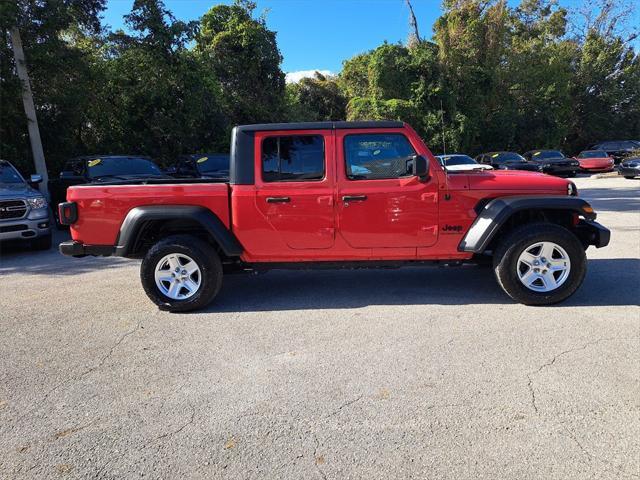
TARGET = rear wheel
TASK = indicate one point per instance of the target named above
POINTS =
(540, 264)
(181, 273)
(629, 177)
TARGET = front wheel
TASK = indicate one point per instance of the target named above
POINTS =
(540, 264)
(181, 273)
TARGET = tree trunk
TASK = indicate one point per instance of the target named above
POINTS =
(30, 111)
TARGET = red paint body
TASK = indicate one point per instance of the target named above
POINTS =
(402, 219)
(600, 164)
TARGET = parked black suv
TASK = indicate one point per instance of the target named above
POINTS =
(619, 150)
(202, 165)
(553, 162)
(508, 161)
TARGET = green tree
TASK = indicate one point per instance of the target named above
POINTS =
(316, 99)
(158, 98)
(59, 73)
(244, 57)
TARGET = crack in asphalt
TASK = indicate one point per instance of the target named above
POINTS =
(83, 374)
(530, 383)
(344, 405)
(111, 350)
(315, 457)
(181, 428)
(619, 469)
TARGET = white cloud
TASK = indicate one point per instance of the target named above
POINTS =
(293, 77)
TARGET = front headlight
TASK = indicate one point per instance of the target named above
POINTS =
(572, 190)
(37, 202)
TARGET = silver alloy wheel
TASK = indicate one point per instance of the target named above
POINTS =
(178, 276)
(543, 266)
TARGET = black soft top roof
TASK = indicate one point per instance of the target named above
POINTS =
(260, 127)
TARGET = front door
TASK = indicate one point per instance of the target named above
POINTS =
(295, 187)
(380, 203)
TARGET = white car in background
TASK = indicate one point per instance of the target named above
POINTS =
(458, 162)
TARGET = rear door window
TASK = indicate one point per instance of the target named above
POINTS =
(293, 158)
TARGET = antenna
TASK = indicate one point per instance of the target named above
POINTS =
(444, 145)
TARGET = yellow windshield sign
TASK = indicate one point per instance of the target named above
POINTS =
(495, 155)
(202, 159)
(536, 154)
(93, 163)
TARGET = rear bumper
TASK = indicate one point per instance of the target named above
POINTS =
(592, 233)
(561, 170)
(72, 248)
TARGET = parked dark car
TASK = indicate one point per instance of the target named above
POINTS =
(508, 161)
(619, 150)
(553, 162)
(101, 168)
(630, 168)
(202, 165)
(24, 212)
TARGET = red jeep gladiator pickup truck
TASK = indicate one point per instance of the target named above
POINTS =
(336, 194)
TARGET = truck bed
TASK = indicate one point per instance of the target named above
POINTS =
(102, 208)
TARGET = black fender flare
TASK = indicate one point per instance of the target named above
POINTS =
(139, 216)
(496, 212)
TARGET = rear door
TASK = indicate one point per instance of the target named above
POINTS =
(295, 187)
(380, 204)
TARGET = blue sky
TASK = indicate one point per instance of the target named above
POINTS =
(318, 34)
(315, 34)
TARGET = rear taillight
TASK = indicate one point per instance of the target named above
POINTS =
(68, 213)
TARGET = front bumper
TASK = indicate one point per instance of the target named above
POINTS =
(73, 248)
(561, 169)
(35, 224)
(628, 171)
(592, 233)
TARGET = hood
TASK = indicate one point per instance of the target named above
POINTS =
(17, 190)
(508, 181)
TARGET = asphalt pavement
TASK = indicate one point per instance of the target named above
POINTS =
(411, 373)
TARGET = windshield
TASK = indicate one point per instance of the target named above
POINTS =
(450, 160)
(211, 162)
(8, 174)
(544, 154)
(117, 166)
(593, 154)
(507, 157)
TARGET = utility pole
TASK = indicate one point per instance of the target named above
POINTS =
(30, 110)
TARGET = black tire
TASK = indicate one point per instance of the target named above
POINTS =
(505, 262)
(41, 243)
(629, 177)
(200, 252)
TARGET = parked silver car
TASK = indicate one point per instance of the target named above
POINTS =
(24, 211)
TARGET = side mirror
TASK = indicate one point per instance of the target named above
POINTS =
(418, 166)
(35, 179)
